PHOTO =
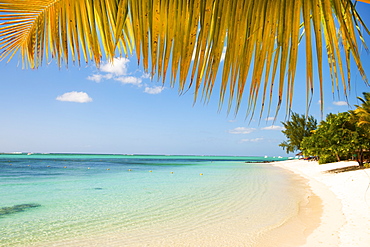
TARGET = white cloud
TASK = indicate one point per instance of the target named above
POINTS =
(273, 127)
(194, 52)
(340, 103)
(252, 140)
(153, 90)
(241, 130)
(146, 76)
(98, 77)
(118, 71)
(223, 54)
(117, 67)
(193, 55)
(270, 119)
(95, 77)
(78, 97)
(129, 80)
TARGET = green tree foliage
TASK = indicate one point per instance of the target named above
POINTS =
(295, 130)
(336, 138)
(361, 117)
(340, 136)
(362, 111)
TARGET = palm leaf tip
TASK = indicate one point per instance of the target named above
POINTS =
(261, 39)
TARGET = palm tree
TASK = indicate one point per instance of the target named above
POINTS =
(255, 41)
(360, 117)
(362, 111)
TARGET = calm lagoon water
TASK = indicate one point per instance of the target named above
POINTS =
(121, 200)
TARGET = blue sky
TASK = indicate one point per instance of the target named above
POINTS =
(119, 109)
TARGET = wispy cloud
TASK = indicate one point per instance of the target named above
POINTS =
(117, 70)
(241, 130)
(153, 90)
(270, 119)
(340, 103)
(78, 97)
(146, 76)
(99, 77)
(252, 140)
(129, 80)
(273, 127)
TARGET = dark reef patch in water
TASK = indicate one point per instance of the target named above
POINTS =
(17, 208)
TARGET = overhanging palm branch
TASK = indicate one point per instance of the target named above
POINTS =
(260, 37)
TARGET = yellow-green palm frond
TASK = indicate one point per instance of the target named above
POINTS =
(80, 29)
(362, 112)
(363, 117)
(253, 42)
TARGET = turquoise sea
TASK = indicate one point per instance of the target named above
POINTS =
(139, 200)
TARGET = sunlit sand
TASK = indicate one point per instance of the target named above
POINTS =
(345, 196)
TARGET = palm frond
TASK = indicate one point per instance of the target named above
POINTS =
(362, 112)
(255, 42)
(80, 29)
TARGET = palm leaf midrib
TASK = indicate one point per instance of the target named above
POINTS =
(22, 27)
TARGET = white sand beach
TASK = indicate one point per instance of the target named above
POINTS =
(345, 218)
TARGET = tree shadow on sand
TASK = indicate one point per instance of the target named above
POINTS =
(346, 169)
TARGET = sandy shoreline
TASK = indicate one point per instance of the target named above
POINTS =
(332, 209)
(345, 202)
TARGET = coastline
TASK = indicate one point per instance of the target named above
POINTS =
(345, 202)
(333, 209)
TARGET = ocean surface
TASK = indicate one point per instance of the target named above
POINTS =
(139, 200)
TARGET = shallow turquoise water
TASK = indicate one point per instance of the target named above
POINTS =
(96, 200)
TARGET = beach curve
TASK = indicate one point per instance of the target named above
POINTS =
(345, 219)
